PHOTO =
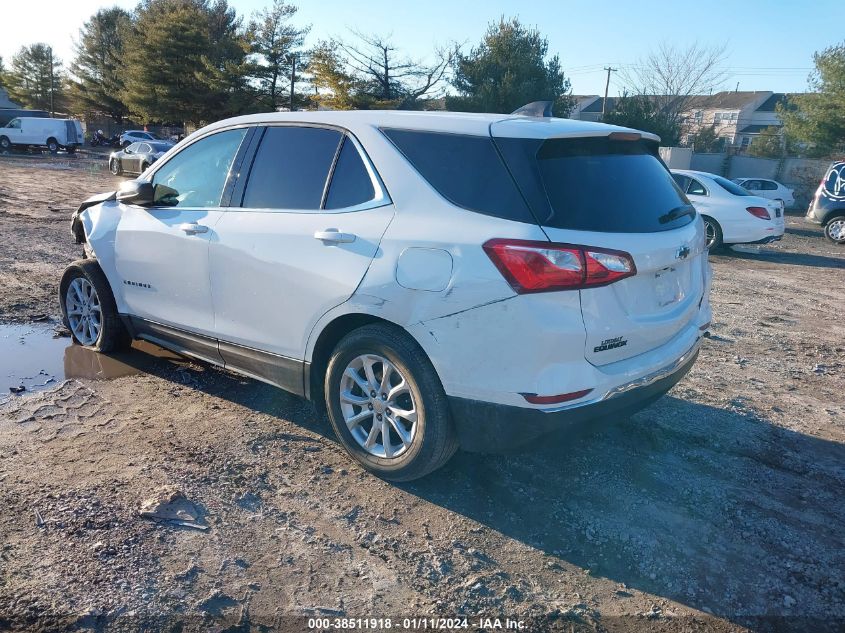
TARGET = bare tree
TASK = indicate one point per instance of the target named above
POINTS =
(672, 76)
(387, 75)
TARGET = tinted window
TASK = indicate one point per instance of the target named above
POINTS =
(195, 177)
(730, 187)
(133, 149)
(143, 148)
(751, 185)
(696, 188)
(769, 185)
(16, 124)
(351, 182)
(466, 170)
(683, 181)
(291, 168)
(599, 184)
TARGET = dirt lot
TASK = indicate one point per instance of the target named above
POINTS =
(721, 507)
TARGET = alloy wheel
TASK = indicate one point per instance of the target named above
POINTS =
(84, 312)
(836, 230)
(709, 234)
(378, 406)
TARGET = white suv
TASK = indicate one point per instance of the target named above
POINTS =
(434, 280)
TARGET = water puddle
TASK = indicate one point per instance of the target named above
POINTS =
(33, 357)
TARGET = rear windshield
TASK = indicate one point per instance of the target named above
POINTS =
(731, 187)
(597, 184)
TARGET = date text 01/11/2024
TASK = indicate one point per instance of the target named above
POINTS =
(415, 624)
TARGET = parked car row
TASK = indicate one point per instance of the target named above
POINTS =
(135, 158)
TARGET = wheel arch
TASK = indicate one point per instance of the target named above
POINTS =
(833, 213)
(329, 336)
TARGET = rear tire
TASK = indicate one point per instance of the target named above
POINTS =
(89, 310)
(411, 399)
(712, 233)
(5, 144)
(834, 230)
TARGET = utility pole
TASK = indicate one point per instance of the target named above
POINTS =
(292, 78)
(52, 110)
(606, 87)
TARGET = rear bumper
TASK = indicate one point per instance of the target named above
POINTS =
(486, 427)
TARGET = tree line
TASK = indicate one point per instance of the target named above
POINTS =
(198, 61)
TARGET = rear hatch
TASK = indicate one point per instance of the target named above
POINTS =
(613, 192)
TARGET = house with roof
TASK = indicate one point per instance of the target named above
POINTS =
(5, 102)
(736, 116)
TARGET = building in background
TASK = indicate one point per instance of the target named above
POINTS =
(737, 117)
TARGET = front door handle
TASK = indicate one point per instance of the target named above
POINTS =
(334, 236)
(192, 228)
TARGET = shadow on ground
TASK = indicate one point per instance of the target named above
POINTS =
(715, 508)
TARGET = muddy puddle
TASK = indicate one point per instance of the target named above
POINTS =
(34, 356)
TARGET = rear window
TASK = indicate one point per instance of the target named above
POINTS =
(465, 169)
(730, 187)
(599, 184)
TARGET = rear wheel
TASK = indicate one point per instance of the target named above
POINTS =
(835, 229)
(712, 233)
(5, 144)
(52, 145)
(88, 308)
(387, 405)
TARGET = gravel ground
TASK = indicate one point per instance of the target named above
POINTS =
(720, 507)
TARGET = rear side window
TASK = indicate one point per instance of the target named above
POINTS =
(351, 184)
(730, 187)
(291, 167)
(599, 184)
(466, 170)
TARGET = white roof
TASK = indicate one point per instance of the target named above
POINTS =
(454, 122)
(693, 172)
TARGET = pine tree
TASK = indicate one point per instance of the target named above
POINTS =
(35, 78)
(98, 84)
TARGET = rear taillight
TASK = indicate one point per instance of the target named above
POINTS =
(532, 266)
(759, 212)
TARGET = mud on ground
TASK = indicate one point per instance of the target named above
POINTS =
(719, 507)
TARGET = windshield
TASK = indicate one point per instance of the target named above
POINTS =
(160, 147)
(730, 187)
(597, 184)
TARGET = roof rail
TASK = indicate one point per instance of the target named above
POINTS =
(536, 108)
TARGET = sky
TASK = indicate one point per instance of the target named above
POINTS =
(769, 44)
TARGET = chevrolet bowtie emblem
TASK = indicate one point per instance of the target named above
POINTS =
(682, 253)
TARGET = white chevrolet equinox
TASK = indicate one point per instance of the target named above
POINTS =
(434, 280)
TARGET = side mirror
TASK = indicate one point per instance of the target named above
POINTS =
(138, 192)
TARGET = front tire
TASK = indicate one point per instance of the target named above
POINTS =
(386, 404)
(5, 144)
(835, 230)
(53, 146)
(88, 308)
(712, 233)
(114, 167)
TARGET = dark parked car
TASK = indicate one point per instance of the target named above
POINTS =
(828, 205)
(137, 157)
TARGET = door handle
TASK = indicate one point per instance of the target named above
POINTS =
(334, 236)
(192, 228)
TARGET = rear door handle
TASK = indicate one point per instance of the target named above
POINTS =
(334, 236)
(192, 228)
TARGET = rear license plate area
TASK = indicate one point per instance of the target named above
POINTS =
(667, 286)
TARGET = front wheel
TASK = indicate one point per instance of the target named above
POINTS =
(52, 146)
(114, 167)
(387, 405)
(712, 233)
(88, 308)
(835, 230)
(5, 144)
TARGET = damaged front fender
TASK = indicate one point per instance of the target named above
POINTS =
(76, 225)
